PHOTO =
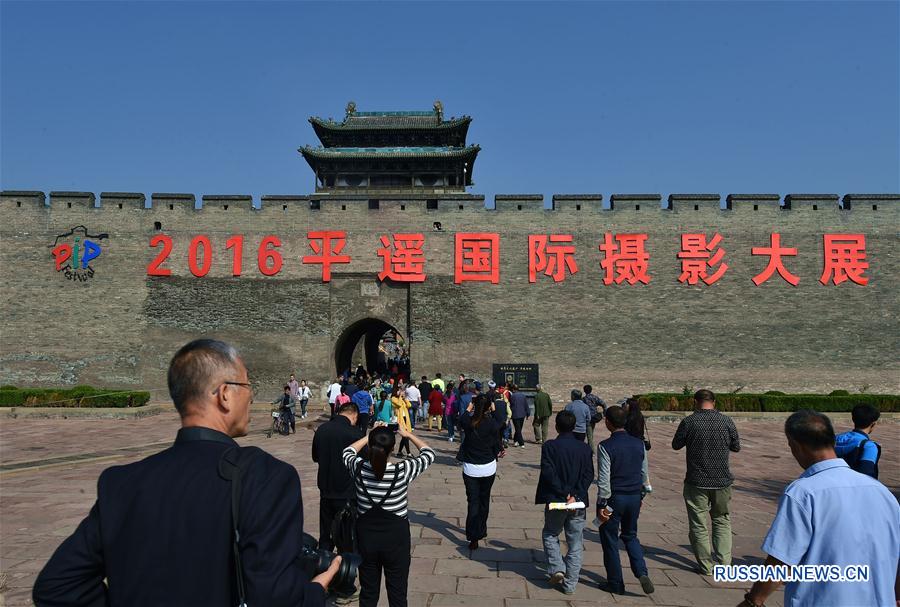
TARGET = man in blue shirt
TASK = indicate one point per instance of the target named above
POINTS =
(831, 515)
(363, 400)
(859, 451)
(582, 415)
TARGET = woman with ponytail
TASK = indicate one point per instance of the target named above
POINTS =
(382, 529)
(478, 454)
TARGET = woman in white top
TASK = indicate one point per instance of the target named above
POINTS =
(382, 529)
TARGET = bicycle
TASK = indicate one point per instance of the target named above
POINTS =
(279, 424)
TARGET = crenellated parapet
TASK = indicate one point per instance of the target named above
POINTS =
(676, 204)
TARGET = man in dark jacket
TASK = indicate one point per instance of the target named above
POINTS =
(621, 478)
(160, 532)
(518, 404)
(567, 470)
(334, 482)
(543, 409)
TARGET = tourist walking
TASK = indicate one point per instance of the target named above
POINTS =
(424, 391)
(161, 529)
(501, 413)
(543, 409)
(857, 447)
(334, 390)
(478, 454)
(303, 395)
(597, 407)
(831, 515)
(451, 411)
(709, 437)
(363, 400)
(435, 407)
(567, 471)
(335, 484)
(518, 405)
(384, 409)
(582, 414)
(295, 387)
(414, 396)
(621, 479)
(402, 412)
(382, 529)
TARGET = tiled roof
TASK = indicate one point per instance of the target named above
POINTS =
(390, 121)
(403, 152)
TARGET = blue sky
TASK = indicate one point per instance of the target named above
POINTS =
(599, 97)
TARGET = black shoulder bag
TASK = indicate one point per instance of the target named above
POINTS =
(234, 463)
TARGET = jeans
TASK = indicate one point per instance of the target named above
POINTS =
(715, 501)
(303, 406)
(518, 422)
(413, 411)
(626, 509)
(478, 496)
(451, 425)
(541, 427)
(572, 522)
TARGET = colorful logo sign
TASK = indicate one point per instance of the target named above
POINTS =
(74, 251)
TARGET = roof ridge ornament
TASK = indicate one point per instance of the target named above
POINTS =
(351, 109)
(439, 109)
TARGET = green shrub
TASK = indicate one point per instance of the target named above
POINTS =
(838, 393)
(79, 396)
(8, 387)
(774, 392)
(773, 402)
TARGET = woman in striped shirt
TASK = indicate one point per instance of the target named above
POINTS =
(382, 529)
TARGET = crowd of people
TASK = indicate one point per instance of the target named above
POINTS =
(366, 466)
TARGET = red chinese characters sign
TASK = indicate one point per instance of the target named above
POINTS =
(624, 258)
(477, 258)
(404, 258)
(552, 255)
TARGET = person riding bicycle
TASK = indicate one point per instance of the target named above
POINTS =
(285, 409)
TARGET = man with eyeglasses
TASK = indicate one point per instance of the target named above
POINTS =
(160, 531)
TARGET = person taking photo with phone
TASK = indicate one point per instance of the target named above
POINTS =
(382, 529)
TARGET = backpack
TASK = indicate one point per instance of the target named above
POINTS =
(343, 528)
(854, 457)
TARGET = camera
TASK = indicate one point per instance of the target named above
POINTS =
(315, 561)
(393, 427)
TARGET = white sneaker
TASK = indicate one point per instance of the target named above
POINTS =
(451, 439)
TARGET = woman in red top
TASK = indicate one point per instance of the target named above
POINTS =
(435, 407)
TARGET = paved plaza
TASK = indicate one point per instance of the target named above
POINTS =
(49, 469)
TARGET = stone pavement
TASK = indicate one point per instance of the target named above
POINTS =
(43, 499)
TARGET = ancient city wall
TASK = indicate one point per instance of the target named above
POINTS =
(120, 326)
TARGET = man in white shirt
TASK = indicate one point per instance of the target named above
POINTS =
(334, 390)
(415, 400)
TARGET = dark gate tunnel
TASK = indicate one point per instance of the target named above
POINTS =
(369, 329)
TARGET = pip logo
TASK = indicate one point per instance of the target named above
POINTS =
(74, 251)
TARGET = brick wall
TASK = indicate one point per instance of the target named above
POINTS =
(120, 327)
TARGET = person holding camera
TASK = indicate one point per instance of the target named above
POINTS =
(382, 529)
(478, 454)
(161, 531)
(335, 485)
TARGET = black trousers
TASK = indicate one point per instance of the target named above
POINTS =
(362, 421)
(404, 444)
(384, 545)
(328, 509)
(518, 422)
(478, 495)
(580, 435)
